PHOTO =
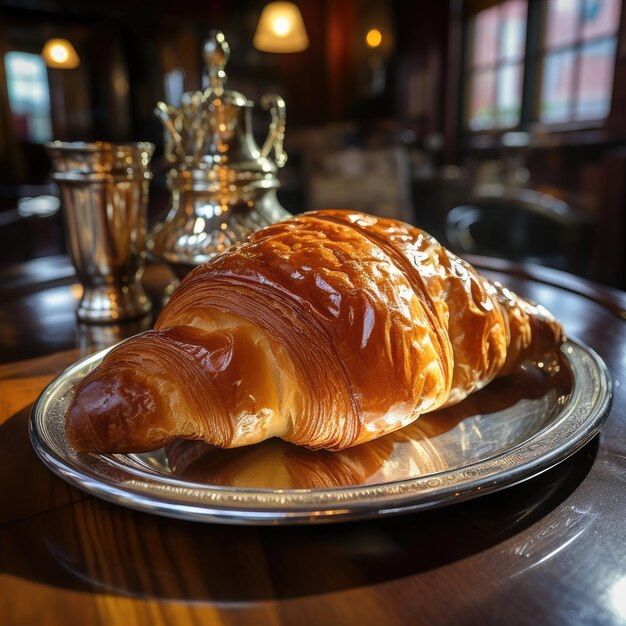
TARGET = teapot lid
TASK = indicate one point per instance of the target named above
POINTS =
(216, 53)
(210, 131)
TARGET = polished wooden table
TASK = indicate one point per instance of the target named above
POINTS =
(551, 550)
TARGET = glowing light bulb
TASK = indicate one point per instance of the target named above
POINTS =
(281, 26)
(59, 53)
(374, 38)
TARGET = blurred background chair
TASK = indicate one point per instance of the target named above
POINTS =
(523, 226)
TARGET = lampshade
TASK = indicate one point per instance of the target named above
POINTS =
(281, 29)
(60, 53)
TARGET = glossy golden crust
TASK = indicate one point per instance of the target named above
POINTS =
(327, 330)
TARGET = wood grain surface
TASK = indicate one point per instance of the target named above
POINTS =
(549, 551)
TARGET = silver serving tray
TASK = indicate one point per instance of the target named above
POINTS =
(508, 432)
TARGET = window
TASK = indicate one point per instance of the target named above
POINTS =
(578, 59)
(569, 70)
(174, 86)
(496, 65)
(29, 95)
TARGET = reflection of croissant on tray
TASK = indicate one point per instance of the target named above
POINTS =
(277, 464)
(327, 330)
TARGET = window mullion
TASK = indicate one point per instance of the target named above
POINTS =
(496, 69)
(577, 50)
(533, 57)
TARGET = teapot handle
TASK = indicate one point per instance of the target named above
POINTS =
(276, 134)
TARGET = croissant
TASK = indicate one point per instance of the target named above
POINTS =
(327, 330)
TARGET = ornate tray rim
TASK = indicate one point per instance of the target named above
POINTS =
(137, 486)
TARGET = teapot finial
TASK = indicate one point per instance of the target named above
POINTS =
(216, 53)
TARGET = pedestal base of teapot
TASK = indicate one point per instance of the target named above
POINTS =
(113, 303)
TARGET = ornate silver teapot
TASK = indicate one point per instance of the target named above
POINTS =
(223, 186)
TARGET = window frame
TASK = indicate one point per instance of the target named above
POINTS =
(31, 52)
(471, 70)
(542, 51)
(532, 61)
